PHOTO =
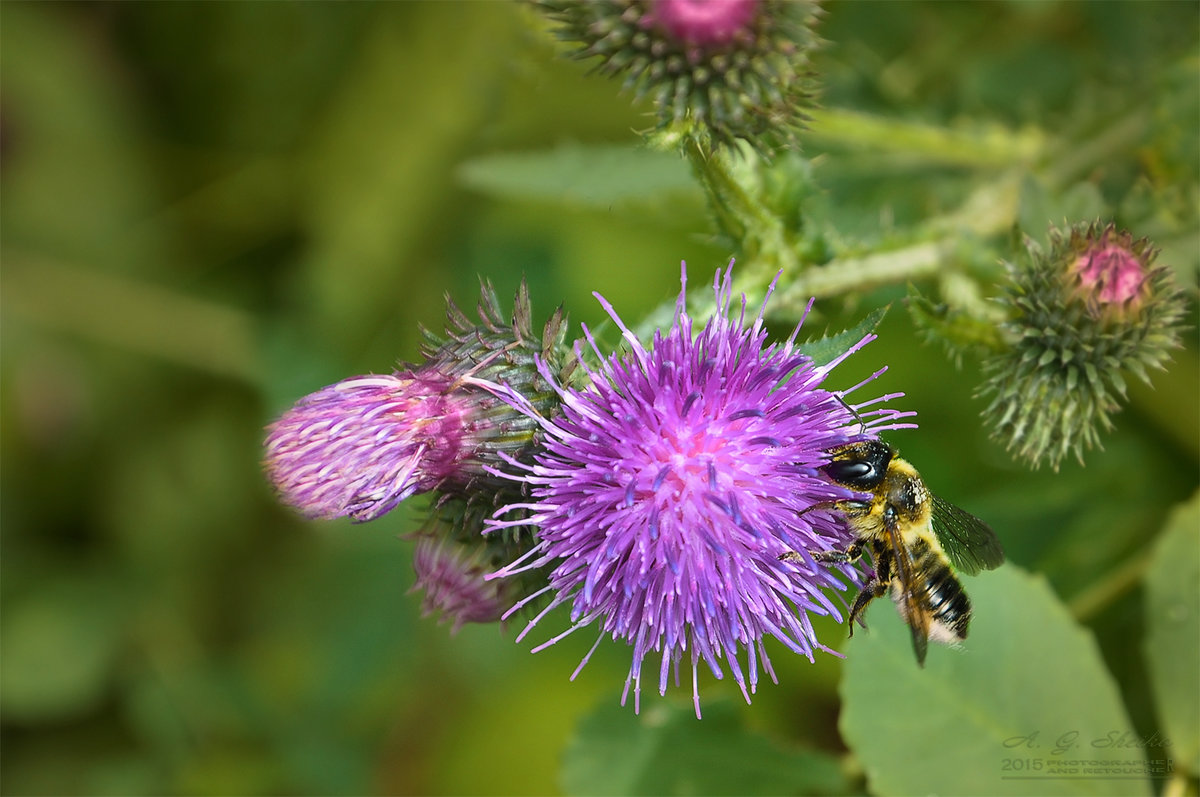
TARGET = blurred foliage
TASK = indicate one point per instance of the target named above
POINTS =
(1173, 635)
(212, 209)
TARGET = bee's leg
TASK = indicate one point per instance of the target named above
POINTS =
(821, 505)
(874, 588)
(851, 554)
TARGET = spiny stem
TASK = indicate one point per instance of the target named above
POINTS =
(846, 274)
(734, 208)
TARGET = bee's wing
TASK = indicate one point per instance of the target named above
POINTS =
(968, 541)
(915, 614)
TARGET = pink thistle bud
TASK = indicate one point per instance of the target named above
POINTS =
(727, 70)
(1090, 309)
(452, 576)
(702, 22)
(1110, 267)
(359, 447)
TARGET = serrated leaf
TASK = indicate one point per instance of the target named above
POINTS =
(597, 176)
(1027, 707)
(667, 751)
(1172, 643)
(825, 349)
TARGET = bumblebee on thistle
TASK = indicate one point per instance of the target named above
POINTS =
(656, 495)
(916, 541)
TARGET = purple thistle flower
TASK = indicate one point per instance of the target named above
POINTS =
(361, 446)
(668, 488)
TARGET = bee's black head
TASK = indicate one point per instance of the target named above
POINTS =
(860, 466)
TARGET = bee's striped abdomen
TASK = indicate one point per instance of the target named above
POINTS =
(940, 591)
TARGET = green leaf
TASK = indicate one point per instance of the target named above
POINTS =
(666, 750)
(826, 349)
(1172, 642)
(597, 176)
(1026, 707)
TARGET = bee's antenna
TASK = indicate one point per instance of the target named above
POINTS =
(884, 418)
(862, 424)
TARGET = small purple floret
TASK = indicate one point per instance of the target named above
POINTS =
(454, 581)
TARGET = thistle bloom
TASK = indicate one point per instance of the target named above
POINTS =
(669, 487)
(737, 68)
(359, 447)
(1091, 308)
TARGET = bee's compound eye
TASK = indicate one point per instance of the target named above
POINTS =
(854, 471)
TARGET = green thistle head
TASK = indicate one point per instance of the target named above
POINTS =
(731, 69)
(454, 557)
(503, 349)
(1079, 317)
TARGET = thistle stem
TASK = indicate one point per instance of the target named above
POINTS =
(990, 147)
(1111, 586)
(736, 212)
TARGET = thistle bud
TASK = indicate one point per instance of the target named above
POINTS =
(738, 69)
(1110, 271)
(359, 447)
(702, 23)
(452, 576)
(457, 556)
(1081, 315)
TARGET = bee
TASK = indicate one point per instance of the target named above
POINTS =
(917, 541)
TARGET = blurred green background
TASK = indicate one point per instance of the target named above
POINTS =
(212, 209)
